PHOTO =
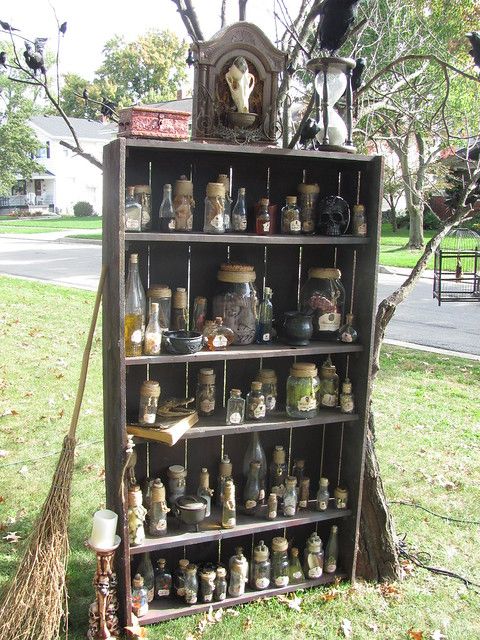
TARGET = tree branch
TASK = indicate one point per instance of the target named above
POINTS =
(305, 117)
(223, 9)
(189, 19)
(242, 10)
(80, 152)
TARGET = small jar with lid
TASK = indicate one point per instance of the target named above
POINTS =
(179, 578)
(272, 506)
(329, 384)
(161, 294)
(280, 564)
(147, 410)
(323, 296)
(261, 568)
(183, 204)
(177, 475)
(291, 217)
(296, 571)
(278, 471)
(323, 495)
(347, 332)
(157, 511)
(220, 592)
(347, 402)
(133, 211)
(207, 583)
(290, 497)
(263, 222)
(238, 573)
(139, 597)
(313, 557)
(359, 221)
(227, 215)
(225, 469)
(235, 407)
(302, 390)
(307, 201)
(268, 378)
(256, 408)
(304, 493)
(229, 506)
(143, 195)
(340, 495)
(236, 301)
(214, 221)
(205, 397)
(191, 584)
(180, 310)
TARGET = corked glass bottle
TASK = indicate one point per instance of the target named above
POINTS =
(347, 402)
(153, 333)
(204, 491)
(143, 195)
(252, 493)
(135, 310)
(214, 220)
(179, 578)
(157, 512)
(205, 396)
(304, 493)
(139, 597)
(261, 568)
(291, 217)
(180, 310)
(290, 497)
(331, 552)
(278, 471)
(268, 378)
(191, 584)
(163, 580)
(148, 404)
(220, 592)
(207, 583)
(220, 337)
(280, 563)
(295, 569)
(224, 473)
(263, 222)
(229, 509)
(239, 213)
(313, 557)
(323, 495)
(256, 408)
(133, 211)
(348, 333)
(166, 214)
(329, 384)
(308, 196)
(145, 569)
(235, 407)
(227, 215)
(183, 204)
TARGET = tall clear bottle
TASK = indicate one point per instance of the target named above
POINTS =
(265, 318)
(239, 213)
(224, 474)
(135, 310)
(252, 494)
(227, 213)
(229, 507)
(153, 333)
(331, 552)
(166, 213)
(255, 451)
(133, 211)
(204, 491)
(145, 569)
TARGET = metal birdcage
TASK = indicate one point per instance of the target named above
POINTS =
(457, 267)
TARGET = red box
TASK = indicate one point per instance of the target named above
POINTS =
(153, 122)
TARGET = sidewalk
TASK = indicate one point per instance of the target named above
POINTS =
(54, 236)
(402, 271)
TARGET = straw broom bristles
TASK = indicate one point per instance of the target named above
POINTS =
(35, 599)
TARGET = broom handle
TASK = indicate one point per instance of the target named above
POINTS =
(86, 355)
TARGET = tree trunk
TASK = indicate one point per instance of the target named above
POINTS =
(415, 238)
(393, 212)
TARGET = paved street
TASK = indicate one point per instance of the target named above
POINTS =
(419, 320)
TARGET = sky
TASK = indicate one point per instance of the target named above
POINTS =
(92, 22)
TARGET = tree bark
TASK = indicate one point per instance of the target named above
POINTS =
(416, 238)
(242, 10)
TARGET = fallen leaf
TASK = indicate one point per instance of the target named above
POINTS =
(28, 394)
(416, 635)
(2, 499)
(61, 413)
(23, 471)
(373, 626)
(293, 602)
(202, 625)
(218, 615)
(101, 474)
(247, 624)
(437, 635)
(233, 612)
(389, 590)
(4, 453)
(58, 376)
(9, 412)
(346, 627)
(12, 537)
(11, 520)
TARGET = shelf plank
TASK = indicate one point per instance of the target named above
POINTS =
(169, 608)
(250, 351)
(213, 425)
(210, 529)
(244, 238)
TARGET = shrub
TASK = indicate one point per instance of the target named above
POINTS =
(82, 209)
(431, 221)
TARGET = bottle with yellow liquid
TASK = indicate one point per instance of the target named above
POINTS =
(135, 309)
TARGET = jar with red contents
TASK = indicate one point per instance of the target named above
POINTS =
(323, 296)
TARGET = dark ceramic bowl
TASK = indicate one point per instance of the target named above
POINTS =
(190, 510)
(182, 342)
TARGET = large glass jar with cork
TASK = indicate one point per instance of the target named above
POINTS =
(183, 204)
(323, 296)
(161, 294)
(214, 220)
(236, 301)
(302, 390)
(307, 203)
(143, 195)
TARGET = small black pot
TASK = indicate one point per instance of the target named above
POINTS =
(182, 342)
(190, 510)
(298, 328)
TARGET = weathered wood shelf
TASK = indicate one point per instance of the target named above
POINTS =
(244, 238)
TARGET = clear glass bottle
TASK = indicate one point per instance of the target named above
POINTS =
(208, 327)
(229, 507)
(205, 396)
(224, 473)
(238, 573)
(308, 196)
(303, 385)
(235, 407)
(147, 409)
(166, 213)
(180, 310)
(204, 491)
(133, 211)
(272, 506)
(252, 491)
(239, 213)
(313, 557)
(157, 512)
(161, 294)
(191, 584)
(179, 578)
(145, 569)
(255, 451)
(291, 217)
(220, 337)
(135, 310)
(299, 470)
(256, 408)
(183, 204)
(359, 222)
(347, 401)
(323, 495)
(153, 333)
(263, 222)
(347, 332)
(214, 220)
(340, 495)
(139, 597)
(207, 583)
(220, 592)
(260, 572)
(163, 580)
(304, 493)
(290, 497)
(227, 215)
(143, 195)
(331, 552)
(265, 318)
(236, 301)
(268, 378)
(199, 314)
(295, 570)
(177, 482)
(323, 296)
(329, 384)
(280, 564)
(278, 471)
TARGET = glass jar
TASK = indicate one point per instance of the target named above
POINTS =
(262, 221)
(205, 396)
(207, 583)
(235, 407)
(220, 592)
(304, 493)
(268, 378)
(238, 573)
(299, 470)
(220, 337)
(139, 597)
(236, 301)
(224, 473)
(291, 217)
(252, 492)
(214, 220)
(161, 294)
(340, 495)
(261, 569)
(166, 216)
(295, 568)
(179, 578)
(290, 497)
(347, 332)
(239, 213)
(157, 511)
(329, 383)
(183, 204)
(208, 327)
(313, 557)
(331, 552)
(163, 580)
(229, 507)
(199, 314)
(147, 410)
(153, 333)
(177, 475)
(323, 495)
(191, 584)
(133, 211)
(143, 195)
(180, 310)
(303, 384)
(204, 490)
(323, 296)
(347, 402)
(280, 564)
(272, 506)
(308, 196)
(359, 222)
(256, 408)
(227, 214)
(145, 569)
(278, 471)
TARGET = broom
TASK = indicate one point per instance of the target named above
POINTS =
(35, 600)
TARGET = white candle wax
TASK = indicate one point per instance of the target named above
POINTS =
(104, 528)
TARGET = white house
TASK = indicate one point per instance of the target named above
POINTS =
(67, 178)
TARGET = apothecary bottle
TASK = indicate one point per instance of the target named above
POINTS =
(359, 222)
(139, 597)
(255, 451)
(224, 473)
(179, 578)
(166, 213)
(220, 592)
(235, 407)
(207, 583)
(163, 580)
(177, 475)
(239, 213)
(304, 493)
(252, 492)
(291, 223)
(265, 318)
(302, 390)
(145, 569)
(135, 310)
(214, 220)
(272, 506)
(143, 195)
(263, 222)
(295, 569)
(229, 508)
(347, 332)
(147, 409)
(238, 573)
(299, 470)
(331, 552)
(204, 491)
(313, 557)
(153, 333)
(280, 564)
(329, 384)
(323, 495)
(308, 196)
(261, 568)
(133, 211)
(235, 301)
(161, 294)
(183, 204)
(191, 584)
(227, 215)
(323, 296)
(290, 497)
(340, 496)
(220, 336)
(347, 402)
(256, 408)
(268, 378)
(199, 314)
(278, 471)
(157, 512)
(205, 396)
(180, 310)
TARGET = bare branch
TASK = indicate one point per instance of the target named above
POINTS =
(223, 9)
(189, 19)
(80, 152)
(242, 10)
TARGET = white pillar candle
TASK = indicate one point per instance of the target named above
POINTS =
(104, 528)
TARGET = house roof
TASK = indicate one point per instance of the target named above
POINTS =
(185, 104)
(55, 127)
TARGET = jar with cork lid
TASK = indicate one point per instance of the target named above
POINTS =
(180, 310)
(268, 378)
(280, 564)
(329, 384)
(290, 223)
(227, 214)
(183, 204)
(235, 300)
(205, 396)
(359, 221)
(133, 211)
(214, 220)
(263, 222)
(323, 296)
(161, 294)
(256, 408)
(143, 195)
(157, 512)
(261, 568)
(302, 390)
(147, 410)
(307, 201)
(177, 482)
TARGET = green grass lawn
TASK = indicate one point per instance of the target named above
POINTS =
(392, 252)
(7, 225)
(428, 443)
